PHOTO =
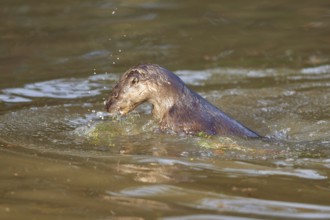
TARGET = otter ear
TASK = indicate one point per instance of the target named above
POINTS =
(134, 79)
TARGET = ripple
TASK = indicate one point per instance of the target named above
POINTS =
(71, 88)
(13, 98)
(302, 173)
(316, 70)
(237, 169)
(95, 54)
(147, 191)
(223, 204)
(193, 77)
(262, 207)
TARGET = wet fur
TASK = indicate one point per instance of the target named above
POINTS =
(175, 106)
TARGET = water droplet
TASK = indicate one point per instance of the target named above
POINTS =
(114, 11)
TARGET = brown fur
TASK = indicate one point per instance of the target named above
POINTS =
(175, 106)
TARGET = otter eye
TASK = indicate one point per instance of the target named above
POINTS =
(115, 94)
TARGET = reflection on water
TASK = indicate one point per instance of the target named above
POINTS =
(265, 63)
(166, 185)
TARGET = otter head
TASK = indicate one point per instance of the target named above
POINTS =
(128, 93)
(145, 83)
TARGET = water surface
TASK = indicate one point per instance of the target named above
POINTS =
(265, 63)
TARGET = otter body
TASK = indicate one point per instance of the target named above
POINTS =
(175, 106)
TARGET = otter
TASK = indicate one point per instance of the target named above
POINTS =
(175, 106)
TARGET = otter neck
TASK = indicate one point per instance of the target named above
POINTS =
(171, 95)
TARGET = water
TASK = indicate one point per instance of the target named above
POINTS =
(266, 64)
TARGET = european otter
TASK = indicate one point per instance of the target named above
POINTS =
(175, 106)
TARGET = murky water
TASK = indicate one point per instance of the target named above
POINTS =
(265, 63)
